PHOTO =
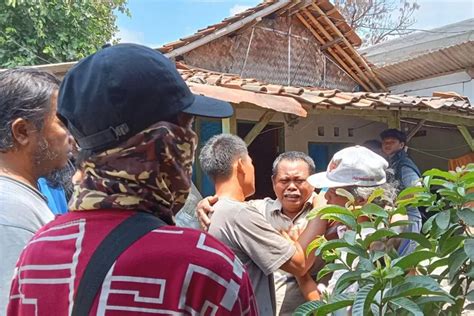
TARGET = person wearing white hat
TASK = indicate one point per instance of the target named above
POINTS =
(359, 171)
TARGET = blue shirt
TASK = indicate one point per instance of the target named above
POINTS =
(56, 197)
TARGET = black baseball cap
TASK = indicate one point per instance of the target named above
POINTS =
(394, 133)
(120, 90)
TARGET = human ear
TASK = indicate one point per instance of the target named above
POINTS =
(22, 131)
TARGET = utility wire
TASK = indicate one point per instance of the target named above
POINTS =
(27, 49)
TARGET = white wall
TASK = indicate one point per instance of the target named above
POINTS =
(459, 82)
(430, 151)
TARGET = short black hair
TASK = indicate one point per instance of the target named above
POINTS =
(394, 133)
(294, 156)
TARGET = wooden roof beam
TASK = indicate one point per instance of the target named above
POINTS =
(332, 52)
(338, 32)
(340, 50)
(467, 136)
(257, 128)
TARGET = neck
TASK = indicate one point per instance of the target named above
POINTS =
(11, 166)
(230, 189)
(290, 214)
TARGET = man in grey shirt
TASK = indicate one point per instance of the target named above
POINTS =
(242, 227)
(33, 143)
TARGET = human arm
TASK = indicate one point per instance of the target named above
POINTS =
(204, 211)
(308, 287)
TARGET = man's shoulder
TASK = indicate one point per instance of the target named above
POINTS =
(228, 207)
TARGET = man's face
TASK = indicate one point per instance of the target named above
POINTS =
(333, 198)
(391, 145)
(52, 146)
(290, 185)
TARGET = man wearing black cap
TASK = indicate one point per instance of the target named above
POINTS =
(116, 251)
(406, 173)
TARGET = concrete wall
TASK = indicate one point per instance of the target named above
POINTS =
(460, 82)
(430, 151)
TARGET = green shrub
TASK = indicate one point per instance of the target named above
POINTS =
(392, 284)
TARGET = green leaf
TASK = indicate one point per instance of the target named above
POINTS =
(433, 299)
(427, 225)
(408, 305)
(419, 238)
(456, 260)
(449, 245)
(350, 237)
(349, 221)
(442, 219)
(308, 308)
(440, 174)
(413, 286)
(337, 302)
(315, 244)
(411, 191)
(331, 244)
(345, 280)
(335, 209)
(413, 259)
(469, 248)
(373, 209)
(401, 223)
(392, 273)
(329, 268)
(467, 216)
(378, 235)
(364, 299)
(470, 296)
(436, 264)
(375, 194)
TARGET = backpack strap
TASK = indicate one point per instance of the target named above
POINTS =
(113, 245)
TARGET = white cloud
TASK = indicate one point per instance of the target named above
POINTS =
(129, 36)
(238, 8)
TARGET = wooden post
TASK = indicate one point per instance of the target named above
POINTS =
(415, 129)
(467, 136)
(264, 119)
(229, 125)
(393, 119)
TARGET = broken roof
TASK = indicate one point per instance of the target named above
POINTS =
(329, 28)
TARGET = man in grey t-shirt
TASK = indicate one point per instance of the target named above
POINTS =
(242, 227)
(33, 143)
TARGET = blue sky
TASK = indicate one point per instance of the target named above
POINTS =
(156, 22)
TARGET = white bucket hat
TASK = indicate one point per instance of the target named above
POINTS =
(352, 166)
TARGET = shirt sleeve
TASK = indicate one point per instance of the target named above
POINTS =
(13, 241)
(263, 244)
(408, 177)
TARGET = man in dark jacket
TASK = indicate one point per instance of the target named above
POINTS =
(406, 173)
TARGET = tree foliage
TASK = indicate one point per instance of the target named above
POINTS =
(378, 20)
(40, 32)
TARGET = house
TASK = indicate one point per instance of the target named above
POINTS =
(293, 73)
(422, 63)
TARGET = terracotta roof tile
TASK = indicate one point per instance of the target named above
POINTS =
(250, 91)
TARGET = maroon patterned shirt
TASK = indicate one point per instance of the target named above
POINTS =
(169, 271)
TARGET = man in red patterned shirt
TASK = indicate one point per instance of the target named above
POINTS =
(131, 113)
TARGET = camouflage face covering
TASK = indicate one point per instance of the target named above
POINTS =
(150, 172)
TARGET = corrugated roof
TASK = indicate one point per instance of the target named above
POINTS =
(424, 54)
(321, 18)
(419, 43)
(441, 61)
(296, 100)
